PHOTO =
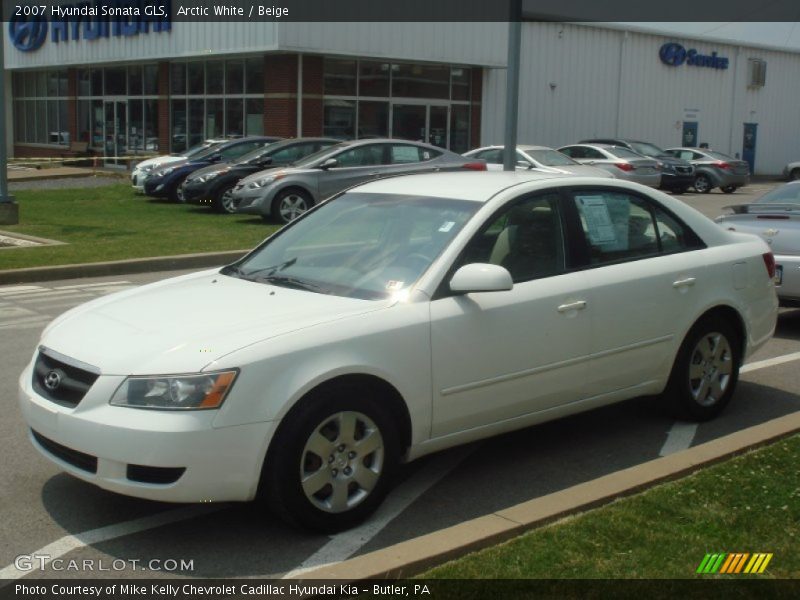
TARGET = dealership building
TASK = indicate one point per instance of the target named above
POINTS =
(130, 88)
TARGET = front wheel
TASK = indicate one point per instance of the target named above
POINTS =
(729, 189)
(702, 184)
(176, 193)
(290, 204)
(706, 370)
(330, 463)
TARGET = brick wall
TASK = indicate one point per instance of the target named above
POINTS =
(280, 95)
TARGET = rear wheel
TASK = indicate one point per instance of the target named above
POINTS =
(729, 189)
(223, 200)
(706, 370)
(290, 204)
(330, 462)
(702, 184)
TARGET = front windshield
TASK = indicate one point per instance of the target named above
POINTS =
(551, 158)
(255, 154)
(201, 147)
(785, 194)
(647, 149)
(312, 158)
(360, 245)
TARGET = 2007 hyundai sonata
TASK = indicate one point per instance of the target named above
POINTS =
(399, 318)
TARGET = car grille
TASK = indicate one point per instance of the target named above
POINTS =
(60, 382)
(159, 475)
(79, 460)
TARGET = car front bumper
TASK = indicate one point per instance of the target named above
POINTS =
(137, 181)
(789, 288)
(671, 181)
(251, 203)
(196, 192)
(220, 463)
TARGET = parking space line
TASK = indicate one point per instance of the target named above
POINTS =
(681, 435)
(69, 543)
(343, 545)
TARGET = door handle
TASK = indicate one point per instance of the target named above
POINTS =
(579, 305)
(689, 281)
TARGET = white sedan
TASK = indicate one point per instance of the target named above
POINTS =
(143, 169)
(399, 318)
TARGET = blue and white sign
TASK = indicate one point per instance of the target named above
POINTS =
(29, 25)
(673, 54)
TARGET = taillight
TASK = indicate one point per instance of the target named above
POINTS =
(722, 165)
(769, 262)
(475, 166)
(624, 166)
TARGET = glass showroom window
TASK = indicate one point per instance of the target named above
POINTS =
(40, 107)
(119, 105)
(359, 94)
(216, 98)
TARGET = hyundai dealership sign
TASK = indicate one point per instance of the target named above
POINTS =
(29, 25)
(675, 55)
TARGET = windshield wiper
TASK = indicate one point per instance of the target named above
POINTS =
(293, 282)
(271, 270)
(232, 270)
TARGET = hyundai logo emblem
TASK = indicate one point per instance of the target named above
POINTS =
(27, 33)
(672, 54)
(52, 380)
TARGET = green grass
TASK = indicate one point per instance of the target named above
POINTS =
(747, 504)
(112, 223)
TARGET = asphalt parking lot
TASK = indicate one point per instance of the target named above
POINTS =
(48, 513)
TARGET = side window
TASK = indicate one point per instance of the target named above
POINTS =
(696, 156)
(592, 153)
(285, 156)
(617, 226)
(363, 156)
(572, 152)
(493, 156)
(526, 239)
(673, 235)
(402, 154)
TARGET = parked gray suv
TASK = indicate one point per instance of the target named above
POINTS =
(285, 194)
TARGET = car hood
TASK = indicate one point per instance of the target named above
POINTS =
(159, 161)
(183, 325)
(215, 168)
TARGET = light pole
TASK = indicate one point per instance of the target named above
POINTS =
(512, 86)
(9, 210)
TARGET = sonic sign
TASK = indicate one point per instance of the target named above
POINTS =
(30, 24)
(675, 55)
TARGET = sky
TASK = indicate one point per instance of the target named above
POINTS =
(775, 35)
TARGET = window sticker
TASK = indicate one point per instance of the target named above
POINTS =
(394, 285)
(447, 226)
(598, 220)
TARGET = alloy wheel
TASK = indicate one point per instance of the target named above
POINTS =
(292, 206)
(710, 369)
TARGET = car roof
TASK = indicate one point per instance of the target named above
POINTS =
(476, 186)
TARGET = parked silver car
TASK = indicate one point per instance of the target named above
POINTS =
(285, 194)
(714, 169)
(541, 158)
(775, 216)
(620, 162)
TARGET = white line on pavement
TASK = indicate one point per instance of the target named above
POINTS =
(68, 543)
(91, 285)
(343, 545)
(17, 289)
(681, 436)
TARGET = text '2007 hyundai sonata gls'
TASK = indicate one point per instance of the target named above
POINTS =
(399, 318)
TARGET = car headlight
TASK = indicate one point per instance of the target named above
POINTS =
(265, 181)
(668, 168)
(165, 172)
(209, 177)
(175, 392)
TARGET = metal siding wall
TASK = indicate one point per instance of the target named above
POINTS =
(611, 82)
(185, 39)
(461, 43)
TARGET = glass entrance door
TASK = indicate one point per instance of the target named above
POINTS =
(421, 123)
(115, 132)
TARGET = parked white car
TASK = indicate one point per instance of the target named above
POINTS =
(540, 158)
(399, 318)
(144, 168)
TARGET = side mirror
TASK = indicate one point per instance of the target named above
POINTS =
(481, 277)
(328, 164)
(524, 164)
(215, 157)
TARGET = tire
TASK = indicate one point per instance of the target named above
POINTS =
(223, 201)
(706, 370)
(176, 193)
(702, 184)
(343, 442)
(794, 174)
(729, 189)
(290, 204)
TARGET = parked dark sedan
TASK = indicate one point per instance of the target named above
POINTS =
(677, 175)
(212, 185)
(166, 181)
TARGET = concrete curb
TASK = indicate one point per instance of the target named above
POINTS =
(121, 267)
(413, 556)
